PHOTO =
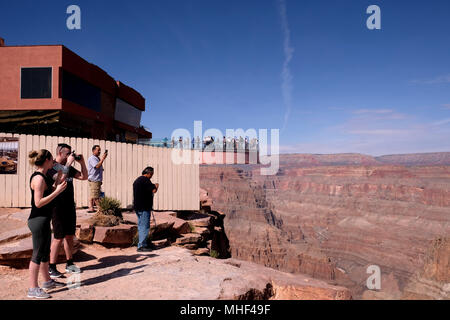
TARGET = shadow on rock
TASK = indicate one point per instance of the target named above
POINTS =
(82, 256)
(104, 277)
(111, 261)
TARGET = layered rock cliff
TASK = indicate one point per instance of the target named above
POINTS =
(333, 220)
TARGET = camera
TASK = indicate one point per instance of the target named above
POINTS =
(76, 156)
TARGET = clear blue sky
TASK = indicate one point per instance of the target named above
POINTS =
(344, 88)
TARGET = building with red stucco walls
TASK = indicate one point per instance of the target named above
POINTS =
(50, 90)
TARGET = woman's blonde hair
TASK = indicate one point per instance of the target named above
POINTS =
(37, 158)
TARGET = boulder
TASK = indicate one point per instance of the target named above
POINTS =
(85, 233)
(161, 229)
(122, 234)
(189, 238)
(202, 222)
(204, 232)
(201, 252)
(178, 225)
(20, 251)
(190, 246)
(161, 243)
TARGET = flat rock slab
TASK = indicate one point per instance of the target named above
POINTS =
(23, 249)
(15, 234)
(197, 219)
(21, 215)
(130, 217)
(202, 222)
(122, 234)
(201, 252)
(166, 221)
(159, 244)
(83, 216)
(189, 238)
(202, 231)
(179, 226)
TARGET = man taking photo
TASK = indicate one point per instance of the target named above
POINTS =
(64, 214)
(95, 177)
(143, 191)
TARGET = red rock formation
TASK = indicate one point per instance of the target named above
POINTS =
(332, 222)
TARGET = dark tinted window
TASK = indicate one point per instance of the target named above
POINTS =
(36, 83)
(80, 92)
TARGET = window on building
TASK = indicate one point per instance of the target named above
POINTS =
(80, 91)
(36, 83)
(126, 113)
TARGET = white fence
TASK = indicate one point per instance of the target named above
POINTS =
(178, 184)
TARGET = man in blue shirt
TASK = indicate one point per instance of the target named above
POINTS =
(95, 177)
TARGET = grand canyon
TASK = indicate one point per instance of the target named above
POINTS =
(333, 216)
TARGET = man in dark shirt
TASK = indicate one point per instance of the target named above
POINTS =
(64, 214)
(143, 191)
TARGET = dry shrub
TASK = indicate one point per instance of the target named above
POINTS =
(110, 206)
(103, 220)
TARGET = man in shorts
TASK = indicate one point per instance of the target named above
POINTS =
(95, 177)
(64, 214)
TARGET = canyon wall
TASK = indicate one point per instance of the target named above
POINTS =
(332, 216)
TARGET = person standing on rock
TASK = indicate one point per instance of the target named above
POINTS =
(143, 191)
(64, 214)
(95, 177)
(43, 193)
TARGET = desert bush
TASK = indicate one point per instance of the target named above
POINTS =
(109, 206)
(214, 254)
(108, 213)
(103, 220)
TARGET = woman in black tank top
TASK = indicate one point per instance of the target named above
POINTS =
(42, 195)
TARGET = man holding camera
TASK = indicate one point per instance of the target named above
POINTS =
(64, 214)
(95, 170)
(143, 192)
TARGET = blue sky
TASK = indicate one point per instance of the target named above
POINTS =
(309, 68)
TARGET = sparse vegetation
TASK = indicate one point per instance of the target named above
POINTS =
(109, 206)
(214, 254)
(108, 214)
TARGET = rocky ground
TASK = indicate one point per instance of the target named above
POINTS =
(169, 272)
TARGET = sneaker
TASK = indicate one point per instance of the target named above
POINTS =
(144, 249)
(73, 269)
(37, 293)
(52, 284)
(54, 273)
